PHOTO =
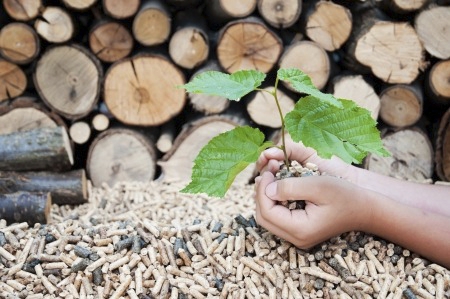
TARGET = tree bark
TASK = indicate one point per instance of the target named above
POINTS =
(263, 110)
(328, 24)
(309, 57)
(354, 87)
(219, 12)
(120, 9)
(74, 87)
(280, 14)
(38, 149)
(136, 96)
(67, 188)
(437, 85)
(248, 44)
(22, 10)
(119, 155)
(25, 207)
(19, 43)
(110, 41)
(13, 80)
(152, 23)
(406, 162)
(442, 153)
(56, 25)
(432, 26)
(401, 105)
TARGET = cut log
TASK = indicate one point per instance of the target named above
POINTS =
(110, 41)
(25, 207)
(411, 156)
(392, 50)
(432, 26)
(309, 57)
(152, 23)
(74, 87)
(100, 122)
(166, 137)
(280, 13)
(80, 132)
(220, 12)
(79, 4)
(121, 155)
(67, 188)
(177, 164)
(263, 110)
(189, 44)
(142, 90)
(208, 104)
(437, 83)
(13, 80)
(328, 24)
(248, 44)
(19, 43)
(442, 153)
(354, 87)
(120, 9)
(37, 149)
(22, 10)
(56, 25)
(401, 105)
(403, 7)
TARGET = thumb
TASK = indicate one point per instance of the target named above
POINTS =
(306, 188)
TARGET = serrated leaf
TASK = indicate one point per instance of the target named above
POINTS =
(349, 132)
(301, 82)
(232, 87)
(223, 158)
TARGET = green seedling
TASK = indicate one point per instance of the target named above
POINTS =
(319, 120)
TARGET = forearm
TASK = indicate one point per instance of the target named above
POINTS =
(432, 198)
(425, 233)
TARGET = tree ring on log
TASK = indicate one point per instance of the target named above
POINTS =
(12, 80)
(19, 43)
(21, 11)
(439, 79)
(280, 14)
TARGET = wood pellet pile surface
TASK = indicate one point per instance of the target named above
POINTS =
(150, 241)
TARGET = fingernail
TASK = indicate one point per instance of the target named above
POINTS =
(271, 190)
(272, 150)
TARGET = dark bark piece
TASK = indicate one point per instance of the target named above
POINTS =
(248, 44)
(309, 57)
(67, 188)
(19, 43)
(329, 24)
(74, 86)
(218, 12)
(280, 13)
(145, 98)
(110, 41)
(401, 105)
(152, 23)
(442, 153)
(22, 10)
(120, 9)
(119, 155)
(55, 25)
(25, 207)
(13, 80)
(79, 4)
(38, 149)
(432, 26)
(354, 87)
(437, 83)
(411, 156)
(263, 110)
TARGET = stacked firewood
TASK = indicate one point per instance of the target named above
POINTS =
(105, 73)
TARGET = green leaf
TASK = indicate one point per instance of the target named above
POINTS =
(232, 87)
(223, 158)
(349, 132)
(301, 82)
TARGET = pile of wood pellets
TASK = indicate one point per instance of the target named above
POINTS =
(148, 240)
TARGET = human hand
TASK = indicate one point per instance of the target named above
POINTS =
(333, 206)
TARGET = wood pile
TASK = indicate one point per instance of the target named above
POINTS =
(102, 77)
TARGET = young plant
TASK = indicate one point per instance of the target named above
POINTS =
(329, 125)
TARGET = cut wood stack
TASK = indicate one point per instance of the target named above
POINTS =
(108, 73)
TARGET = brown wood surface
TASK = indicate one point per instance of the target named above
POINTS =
(65, 188)
(19, 43)
(37, 149)
(218, 12)
(152, 23)
(13, 80)
(79, 4)
(22, 10)
(25, 207)
(120, 9)
(437, 84)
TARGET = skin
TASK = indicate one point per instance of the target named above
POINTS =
(413, 215)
